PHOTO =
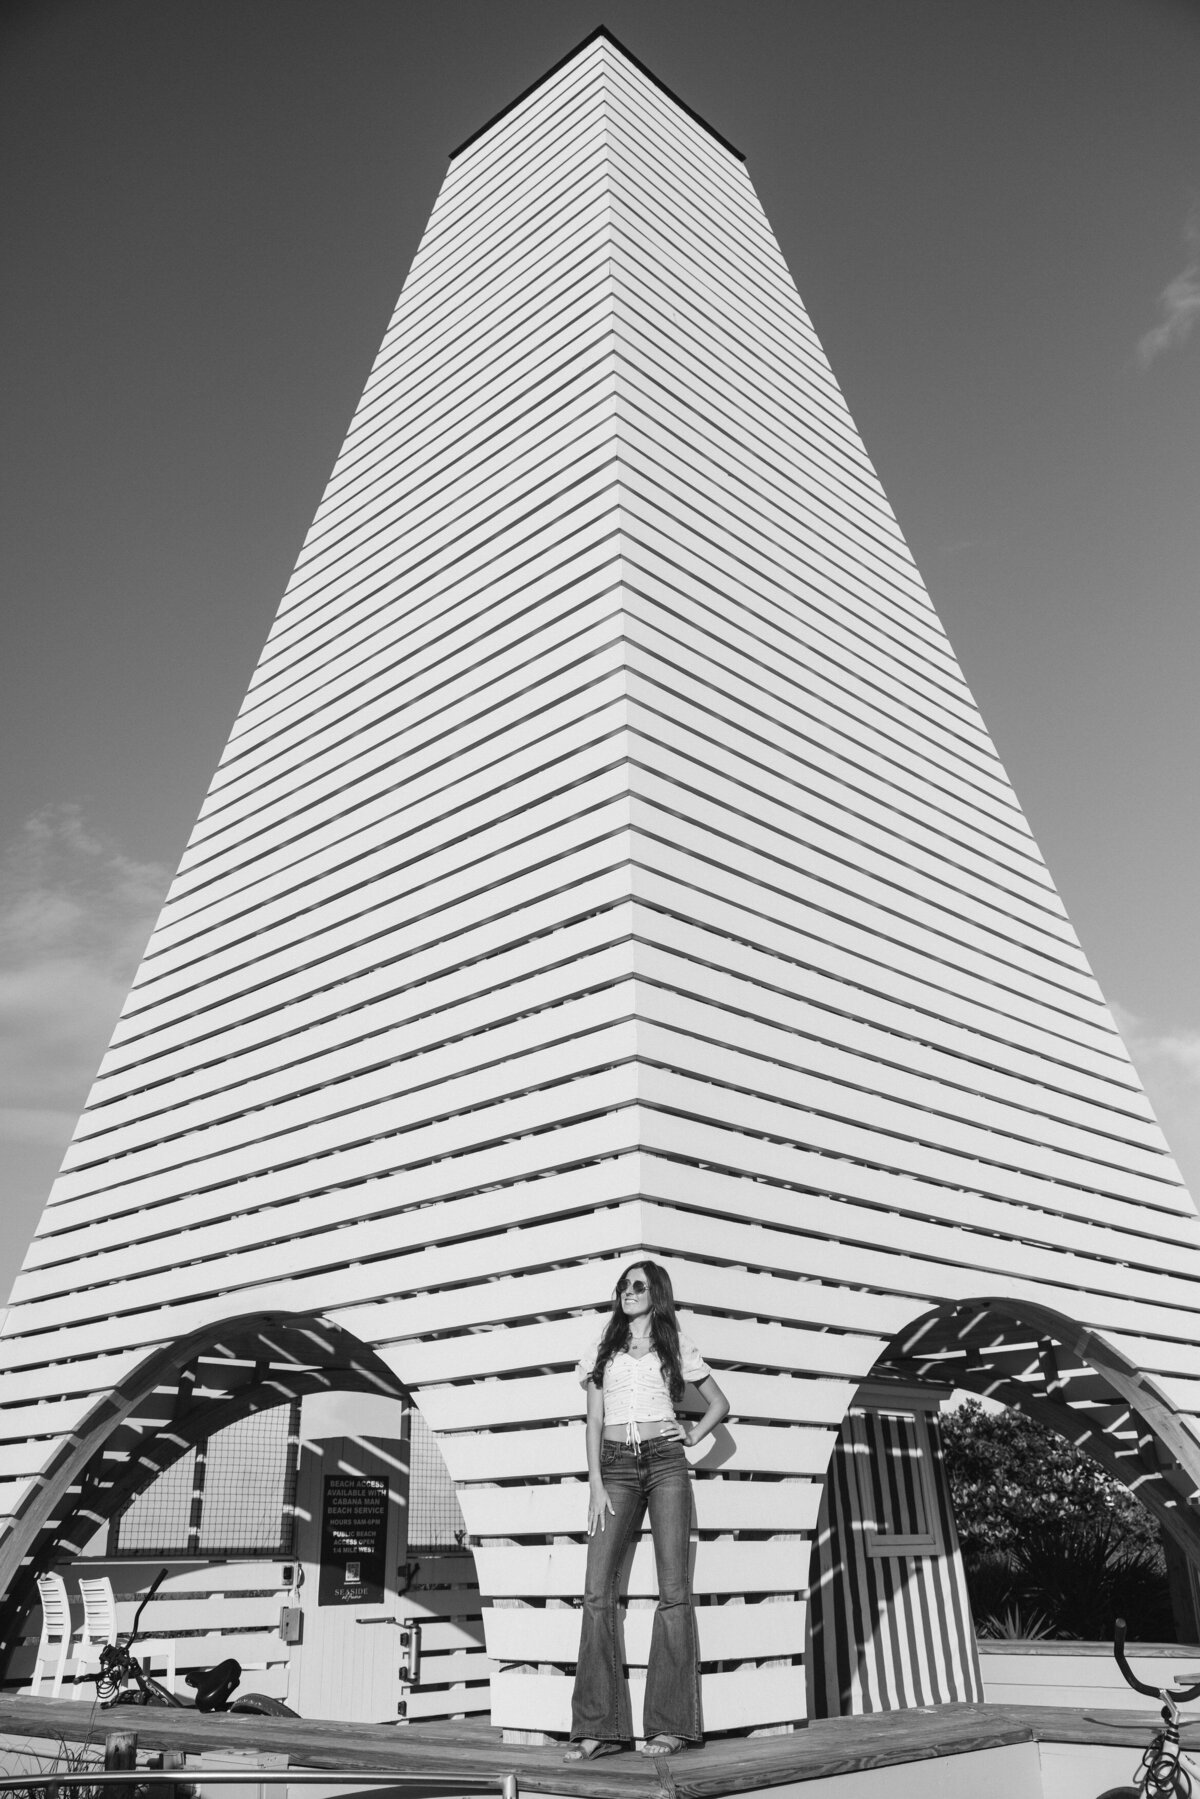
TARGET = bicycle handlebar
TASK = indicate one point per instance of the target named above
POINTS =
(151, 1591)
(1183, 1696)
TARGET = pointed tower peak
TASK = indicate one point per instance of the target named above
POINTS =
(600, 35)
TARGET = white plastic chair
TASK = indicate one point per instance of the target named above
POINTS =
(55, 1640)
(99, 1628)
(149, 1650)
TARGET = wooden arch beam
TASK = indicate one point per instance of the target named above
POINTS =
(974, 1346)
(322, 1356)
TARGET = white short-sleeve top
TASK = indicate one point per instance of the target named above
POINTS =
(635, 1387)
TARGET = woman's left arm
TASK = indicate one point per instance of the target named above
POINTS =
(718, 1408)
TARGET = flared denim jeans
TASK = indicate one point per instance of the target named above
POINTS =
(653, 1476)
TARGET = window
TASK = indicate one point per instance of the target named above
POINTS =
(435, 1519)
(234, 1494)
(893, 1464)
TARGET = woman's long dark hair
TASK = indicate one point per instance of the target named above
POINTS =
(664, 1328)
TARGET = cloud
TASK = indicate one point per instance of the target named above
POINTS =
(75, 912)
(1169, 1063)
(1179, 301)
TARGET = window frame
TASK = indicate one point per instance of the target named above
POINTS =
(914, 1405)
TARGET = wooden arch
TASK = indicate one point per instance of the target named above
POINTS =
(174, 1397)
(1071, 1379)
(871, 1622)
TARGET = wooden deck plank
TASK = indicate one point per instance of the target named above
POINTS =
(473, 1749)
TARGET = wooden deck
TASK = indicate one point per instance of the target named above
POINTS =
(475, 1751)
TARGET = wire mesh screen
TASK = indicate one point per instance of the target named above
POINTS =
(232, 1495)
(435, 1520)
(250, 1485)
(160, 1518)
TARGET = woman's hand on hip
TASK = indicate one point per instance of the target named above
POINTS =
(674, 1432)
(599, 1504)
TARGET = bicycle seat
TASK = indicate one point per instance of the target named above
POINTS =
(213, 1686)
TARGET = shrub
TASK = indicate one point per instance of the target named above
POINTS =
(1008, 1473)
(1052, 1545)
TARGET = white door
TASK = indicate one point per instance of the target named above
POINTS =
(350, 1508)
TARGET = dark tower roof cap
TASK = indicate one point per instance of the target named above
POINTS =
(606, 35)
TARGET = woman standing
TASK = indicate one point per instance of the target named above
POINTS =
(635, 1376)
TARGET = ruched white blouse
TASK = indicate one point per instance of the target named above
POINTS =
(635, 1387)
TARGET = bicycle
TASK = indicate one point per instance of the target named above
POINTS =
(123, 1681)
(1165, 1770)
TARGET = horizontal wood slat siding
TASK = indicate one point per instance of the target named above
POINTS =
(608, 859)
(727, 1632)
(761, 1695)
(455, 1668)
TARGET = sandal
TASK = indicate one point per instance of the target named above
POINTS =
(580, 1752)
(663, 1745)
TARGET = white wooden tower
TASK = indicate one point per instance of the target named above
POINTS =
(608, 858)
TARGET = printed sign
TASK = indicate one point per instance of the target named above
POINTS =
(353, 1540)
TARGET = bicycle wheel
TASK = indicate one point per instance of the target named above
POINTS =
(262, 1706)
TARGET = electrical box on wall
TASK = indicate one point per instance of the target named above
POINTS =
(291, 1623)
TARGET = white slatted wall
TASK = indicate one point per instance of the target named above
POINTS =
(608, 855)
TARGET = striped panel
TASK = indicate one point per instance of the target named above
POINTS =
(888, 1630)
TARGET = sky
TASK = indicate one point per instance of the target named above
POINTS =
(207, 209)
